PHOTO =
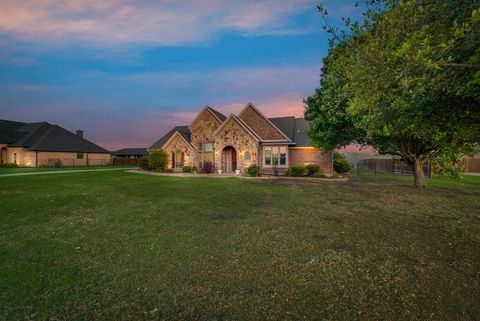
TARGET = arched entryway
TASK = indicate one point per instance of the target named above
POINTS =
(3, 155)
(229, 159)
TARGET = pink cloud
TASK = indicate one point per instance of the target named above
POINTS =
(162, 22)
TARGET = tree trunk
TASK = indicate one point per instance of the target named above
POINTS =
(418, 175)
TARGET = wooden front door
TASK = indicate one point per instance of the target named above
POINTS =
(178, 158)
(229, 159)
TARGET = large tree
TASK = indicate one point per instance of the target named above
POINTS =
(405, 80)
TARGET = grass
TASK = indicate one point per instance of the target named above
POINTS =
(122, 246)
(12, 170)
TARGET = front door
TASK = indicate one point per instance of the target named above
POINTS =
(178, 158)
(229, 159)
(3, 155)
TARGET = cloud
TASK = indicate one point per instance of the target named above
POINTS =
(157, 22)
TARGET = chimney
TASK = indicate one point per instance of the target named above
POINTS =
(80, 133)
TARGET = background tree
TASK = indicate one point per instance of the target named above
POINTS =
(405, 80)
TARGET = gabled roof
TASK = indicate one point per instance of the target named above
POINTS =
(182, 130)
(242, 123)
(252, 106)
(218, 115)
(130, 152)
(44, 136)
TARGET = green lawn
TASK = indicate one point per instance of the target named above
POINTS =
(10, 170)
(123, 246)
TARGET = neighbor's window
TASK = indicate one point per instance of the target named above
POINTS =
(246, 156)
(275, 156)
(14, 158)
(79, 155)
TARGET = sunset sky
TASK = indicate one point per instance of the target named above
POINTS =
(127, 71)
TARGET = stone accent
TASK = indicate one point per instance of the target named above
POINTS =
(233, 134)
(178, 144)
(259, 124)
(310, 155)
(203, 127)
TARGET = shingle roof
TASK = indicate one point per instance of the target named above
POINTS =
(294, 128)
(182, 130)
(44, 136)
(220, 116)
(130, 152)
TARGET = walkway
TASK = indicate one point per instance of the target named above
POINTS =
(65, 171)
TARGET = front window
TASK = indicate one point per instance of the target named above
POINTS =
(275, 156)
(206, 153)
(79, 155)
(14, 158)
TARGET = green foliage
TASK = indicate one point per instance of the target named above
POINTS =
(157, 160)
(297, 171)
(404, 80)
(312, 169)
(253, 171)
(187, 169)
(143, 162)
(447, 164)
(194, 169)
(340, 164)
(9, 165)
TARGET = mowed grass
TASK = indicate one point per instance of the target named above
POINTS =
(124, 246)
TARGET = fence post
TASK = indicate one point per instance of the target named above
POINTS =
(358, 168)
(375, 168)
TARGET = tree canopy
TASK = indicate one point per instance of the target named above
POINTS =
(405, 79)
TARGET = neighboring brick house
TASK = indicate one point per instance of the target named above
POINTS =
(213, 140)
(44, 144)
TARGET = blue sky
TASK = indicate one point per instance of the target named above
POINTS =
(127, 71)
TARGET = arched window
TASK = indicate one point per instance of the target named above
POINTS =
(246, 156)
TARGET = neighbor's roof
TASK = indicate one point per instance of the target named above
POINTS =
(130, 152)
(182, 130)
(44, 136)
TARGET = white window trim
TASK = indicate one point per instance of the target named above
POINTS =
(277, 166)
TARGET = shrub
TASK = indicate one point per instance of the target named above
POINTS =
(143, 162)
(194, 169)
(207, 167)
(9, 165)
(187, 169)
(297, 170)
(340, 164)
(158, 160)
(253, 171)
(312, 169)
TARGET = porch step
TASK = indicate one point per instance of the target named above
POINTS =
(177, 170)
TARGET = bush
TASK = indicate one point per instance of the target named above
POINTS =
(187, 169)
(253, 171)
(158, 160)
(9, 165)
(194, 169)
(297, 171)
(340, 164)
(312, 169)
(143, 162)
(207, 167)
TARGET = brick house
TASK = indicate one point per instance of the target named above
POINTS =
(213, 140)
(44, 144)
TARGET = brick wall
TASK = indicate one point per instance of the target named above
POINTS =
(27, 158)
(259, 125)
(309, 155)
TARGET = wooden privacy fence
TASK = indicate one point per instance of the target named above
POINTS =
(72, 162)
(391, 165)
(471, 164)
(124, 161)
